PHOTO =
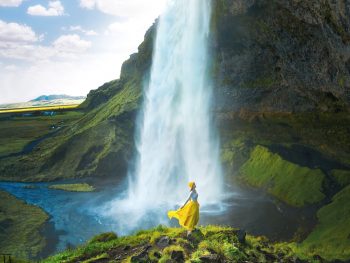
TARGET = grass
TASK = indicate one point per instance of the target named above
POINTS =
(220, 241)
(73, 187)
(293, 184)
(324, 132)
(20, 227)
(342, 176)
(19, 131)
(330, 238)
(44, 108)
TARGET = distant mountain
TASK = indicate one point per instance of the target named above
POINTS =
(46, 100)
(57, 97)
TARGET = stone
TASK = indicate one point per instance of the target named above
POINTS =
(241, 235)
(127, 247)
(178, 255)
(163, 241)
(210, 258)
(157, 254)
(140, 258)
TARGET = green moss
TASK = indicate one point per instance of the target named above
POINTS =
(215, 240)
(20, 227)
(330, 238)
(97, 258)
(295, 185)
(104, 237)
(73, 187)
(342, 176)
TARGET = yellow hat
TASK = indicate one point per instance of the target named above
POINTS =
(190, 184)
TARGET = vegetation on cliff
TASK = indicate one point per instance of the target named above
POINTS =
(162, 244)
(330, 238)
(293, 184)
(83, 187)
(20, 227)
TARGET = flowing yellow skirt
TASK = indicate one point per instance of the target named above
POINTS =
(188, 216)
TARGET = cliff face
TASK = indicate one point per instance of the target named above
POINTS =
(282, 55)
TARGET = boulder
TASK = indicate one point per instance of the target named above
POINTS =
(178, 255)
(163, 241)
(210, 258)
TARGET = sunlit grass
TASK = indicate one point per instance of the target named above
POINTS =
(73, 187)
(44, 108)
(330, 238)
(293, 184)
(16, 132)
(211, 240)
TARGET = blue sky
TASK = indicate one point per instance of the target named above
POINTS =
(67, 46)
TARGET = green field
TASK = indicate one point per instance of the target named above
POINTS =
(20, 227)
(73, 187)
(16, 132)
(41, 108)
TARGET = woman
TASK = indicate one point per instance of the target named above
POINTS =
(188, 214)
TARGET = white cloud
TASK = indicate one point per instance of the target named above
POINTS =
(71, 44)
(20, 42)
(11, 3)
(11, 67)
(14, 32)
(55, 8)
(76, 77)
(126, 9)
(26, 51)
(89, 4)
(80, 29)
(71, 64)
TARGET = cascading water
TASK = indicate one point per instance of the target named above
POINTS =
(176, 144)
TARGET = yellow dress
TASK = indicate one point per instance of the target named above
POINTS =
(188, 216)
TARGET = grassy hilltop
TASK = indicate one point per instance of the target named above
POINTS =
(162, 244)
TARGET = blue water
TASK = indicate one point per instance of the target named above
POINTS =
(77, 217)
(72, 213)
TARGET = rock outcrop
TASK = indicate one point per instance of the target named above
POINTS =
(282, 55)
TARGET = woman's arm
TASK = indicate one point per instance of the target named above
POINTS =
(188, 199)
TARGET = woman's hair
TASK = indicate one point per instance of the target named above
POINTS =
(191, 184)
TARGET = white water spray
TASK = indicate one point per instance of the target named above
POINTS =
(176, 144)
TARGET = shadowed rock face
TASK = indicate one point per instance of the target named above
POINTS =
(283, 55)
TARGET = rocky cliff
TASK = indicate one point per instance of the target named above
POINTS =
(282, 55)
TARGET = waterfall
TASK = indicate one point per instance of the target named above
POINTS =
(176, 143)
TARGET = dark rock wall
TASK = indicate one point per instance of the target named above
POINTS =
(281, 55)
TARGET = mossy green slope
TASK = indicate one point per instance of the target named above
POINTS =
(330, 238)
(295, 185)
(342, 176)
(16, 132)
(205, 245)
(20, 227)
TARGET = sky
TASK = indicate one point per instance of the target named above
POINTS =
(67, 46)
